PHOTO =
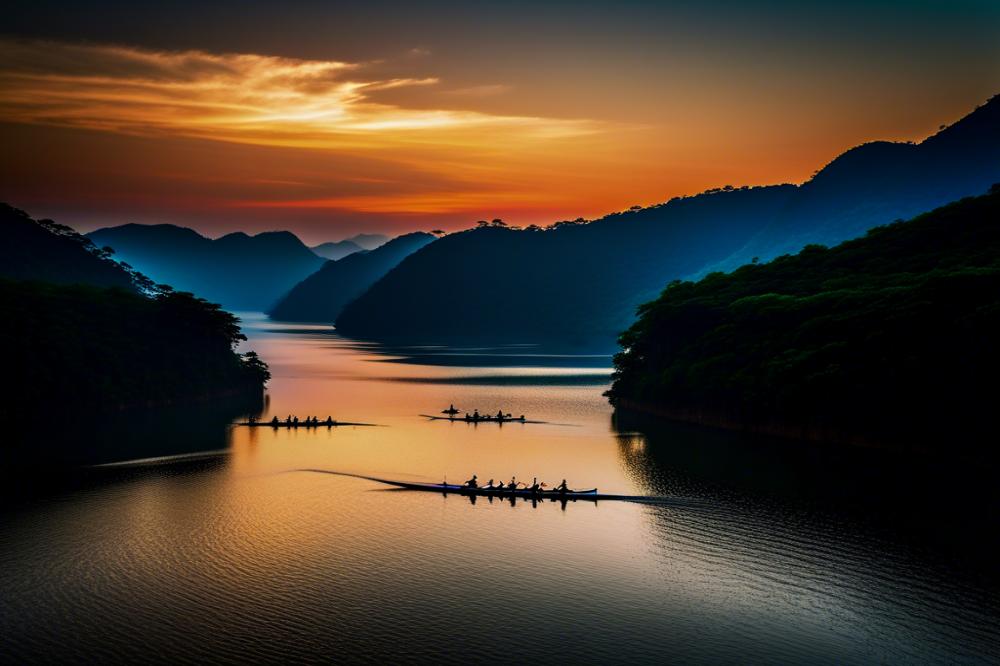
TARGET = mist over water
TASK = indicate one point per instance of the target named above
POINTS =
(235, 555)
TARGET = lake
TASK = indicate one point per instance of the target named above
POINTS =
(222, 548)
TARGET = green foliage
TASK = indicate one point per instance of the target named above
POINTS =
(890, 337)
(72, 347)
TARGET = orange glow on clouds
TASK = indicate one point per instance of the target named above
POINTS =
(238, 97)
(97, 135)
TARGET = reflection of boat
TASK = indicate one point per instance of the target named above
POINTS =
(481, 419)
(300, 424)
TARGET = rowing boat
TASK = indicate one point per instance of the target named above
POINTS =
(588, 495)
(301, 424)
(495, 492)
(481, 419)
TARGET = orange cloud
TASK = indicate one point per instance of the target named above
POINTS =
(242, 98)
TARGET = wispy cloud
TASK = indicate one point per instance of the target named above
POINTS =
(486, 90)
(245, 98)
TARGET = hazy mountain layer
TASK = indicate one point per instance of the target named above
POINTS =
(239, 271)
(322, 295)
(336, 250)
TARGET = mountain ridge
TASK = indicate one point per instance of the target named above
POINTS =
(886, 339)
(574, 283)
(237, 270)
(322, 295)
(863, 187)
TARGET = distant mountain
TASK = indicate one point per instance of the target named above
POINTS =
(580, 284)
(323, 295)
(336, 250)
(368, 241)
(885, 339)
(575, 284)
(879, 182)
(239, 271)
(43, 250)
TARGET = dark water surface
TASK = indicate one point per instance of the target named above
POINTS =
(227, 553)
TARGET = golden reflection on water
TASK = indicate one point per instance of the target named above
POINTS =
(243, 557)
(319, 374)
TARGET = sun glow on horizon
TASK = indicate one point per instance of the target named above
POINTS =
(99, 134)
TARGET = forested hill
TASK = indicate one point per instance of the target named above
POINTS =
(46, 250)
(889, 338)
(239, 271)
(80, 348)
(574, 283)
(880, 182)
(87, 335)
(322, 295)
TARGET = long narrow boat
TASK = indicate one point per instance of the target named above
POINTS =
(301, 424)
(590, 495)
(481, 419)
(495, 492)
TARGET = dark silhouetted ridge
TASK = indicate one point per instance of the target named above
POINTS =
(323, 295)
(87, 335)
(880, 182)
(885, 339)
(579, 284)
(574, 284)
(44, 250)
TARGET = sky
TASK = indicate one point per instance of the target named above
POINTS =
(330, 119)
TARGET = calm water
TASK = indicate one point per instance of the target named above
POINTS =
(235, 555)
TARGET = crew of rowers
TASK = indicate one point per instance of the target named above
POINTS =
(500, 416)
(294, 421)
(535, 488)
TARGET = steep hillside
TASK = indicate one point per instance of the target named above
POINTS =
(44, 250)
(575, 284)
(322, 295)
(886, 339)
(880, 182)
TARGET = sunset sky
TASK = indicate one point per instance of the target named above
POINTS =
(330, 119)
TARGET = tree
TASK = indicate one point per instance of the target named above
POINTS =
(258, 368)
